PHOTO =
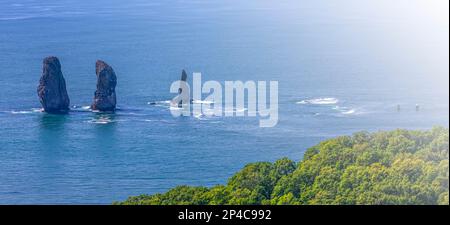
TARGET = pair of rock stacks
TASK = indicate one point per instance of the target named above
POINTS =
(53, 94)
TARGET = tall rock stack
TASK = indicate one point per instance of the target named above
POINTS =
(52, 87)
(105, 95)
(180, 90)
(183, 77)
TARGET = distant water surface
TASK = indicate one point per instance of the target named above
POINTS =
(342, 68)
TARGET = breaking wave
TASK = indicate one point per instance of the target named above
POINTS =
(346, 110)
(319, 101)
(31, 111)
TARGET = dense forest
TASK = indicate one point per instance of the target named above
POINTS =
(396, 167)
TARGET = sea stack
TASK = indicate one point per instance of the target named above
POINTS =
(183, 76)
(52, 87)
(184, 79)
(105, 95)
(180, 90)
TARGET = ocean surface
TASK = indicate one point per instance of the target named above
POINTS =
(342, 67)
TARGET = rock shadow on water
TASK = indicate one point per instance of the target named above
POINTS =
(52, 131)
(53, 122)
(104, 118)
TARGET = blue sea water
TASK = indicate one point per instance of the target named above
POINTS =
(342, 67)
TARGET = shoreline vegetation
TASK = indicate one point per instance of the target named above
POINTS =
(394, 167)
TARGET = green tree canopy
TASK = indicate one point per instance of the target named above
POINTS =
(396, 167)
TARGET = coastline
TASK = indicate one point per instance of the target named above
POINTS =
(362, 169)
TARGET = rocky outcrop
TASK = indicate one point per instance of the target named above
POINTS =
(183, 76)
(52, 87)
(105, 95)
(184, 79)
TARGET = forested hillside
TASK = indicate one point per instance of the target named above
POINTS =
(396, 167)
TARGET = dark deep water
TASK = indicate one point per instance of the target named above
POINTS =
(341, 68)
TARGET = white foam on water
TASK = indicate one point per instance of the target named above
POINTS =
(236, 110)
(175, 108)
(37, 110)
(86, 108)
(202, 102)
(348, 112)
(319, 101)
(16, 18)
(21, 112)
(31, 111)
(159, 102)
(101, 120)
(241, 110)
(199, 115)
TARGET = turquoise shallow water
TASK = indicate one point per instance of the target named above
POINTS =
(341, 68)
